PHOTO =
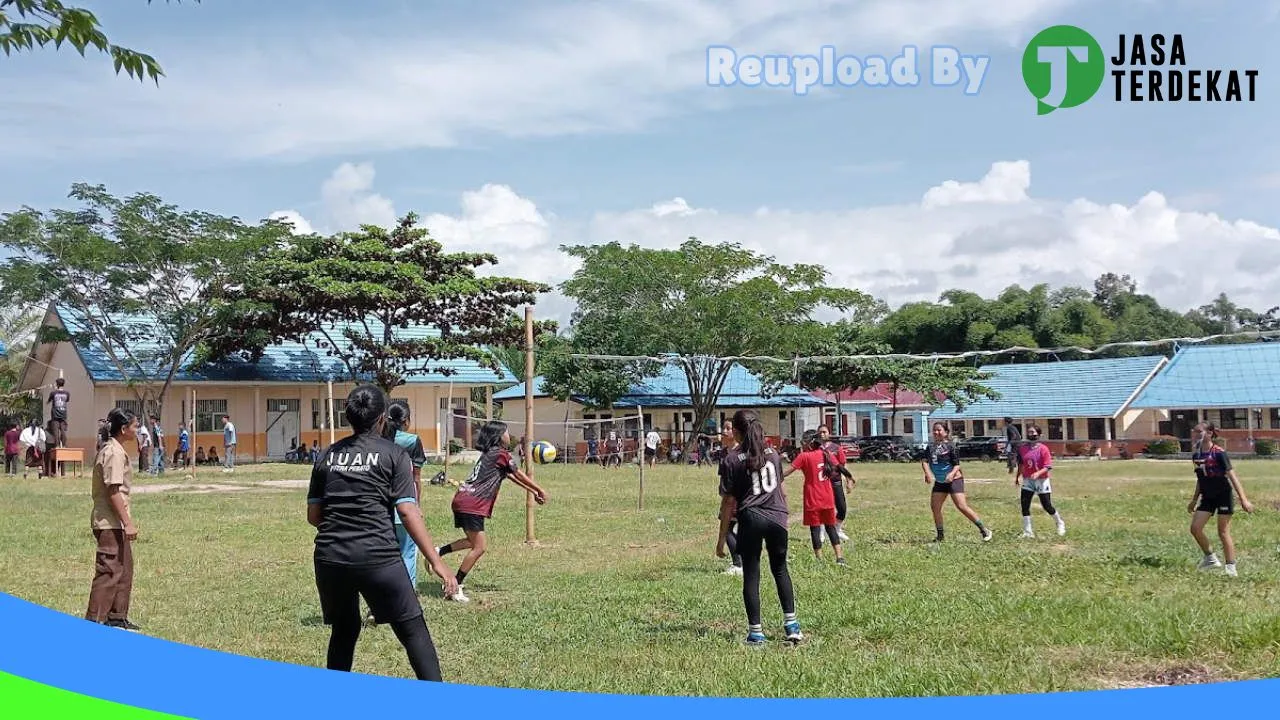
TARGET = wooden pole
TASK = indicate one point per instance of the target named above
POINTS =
(528, 420)
(333, 433)
(640, 455)
(191, 454)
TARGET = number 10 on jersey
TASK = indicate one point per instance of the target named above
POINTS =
(764, 480)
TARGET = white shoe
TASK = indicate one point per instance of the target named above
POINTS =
(1231, 570)
(459, 596)
(1062, 529)
(1029, 534)
(1210, 562)
(733, 570)
(840, 534)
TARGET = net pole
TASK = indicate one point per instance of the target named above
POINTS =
(528, 420)
(448, 429)
(333, 434)
(640, 454)
(191, 453)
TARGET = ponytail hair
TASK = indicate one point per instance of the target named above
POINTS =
(491, 435)
(117, 420)
(398, 415)
(747, 425)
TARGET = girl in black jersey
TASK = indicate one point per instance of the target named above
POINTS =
(751, 491)
(1217, 486)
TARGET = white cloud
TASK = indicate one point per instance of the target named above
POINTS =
(1007, 182)
(541, 69)
(991, 234)
(347, 201)
(293, 217)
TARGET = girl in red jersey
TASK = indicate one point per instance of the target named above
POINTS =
(1035, 464)
(1215, 481)
(819, 497)
(473, 502)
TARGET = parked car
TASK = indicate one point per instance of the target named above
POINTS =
(989, 447)
(850, 445)
(893, 448)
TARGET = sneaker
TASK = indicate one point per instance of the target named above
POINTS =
(123, 625)
(841, 562)
(1062, 529)
(459, 596)
(987, 534)
(1030, 534)
(1231, 570)
(1210, 562)
(733, 570)
(755, 638)
(840, 534)
(793, 632)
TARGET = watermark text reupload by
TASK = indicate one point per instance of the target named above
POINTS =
(946, 66)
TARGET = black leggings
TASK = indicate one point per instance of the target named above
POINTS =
(412, 634)
(754, 535)
(1045, 501)
(731, 539)
(815, 533)
(842, 506)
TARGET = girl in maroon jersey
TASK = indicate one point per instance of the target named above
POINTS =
(474, 500)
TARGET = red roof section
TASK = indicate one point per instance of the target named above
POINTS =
(879, 394)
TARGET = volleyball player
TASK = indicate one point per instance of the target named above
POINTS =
(942, 469)
(1216, 481)
(1034, 466)
(819, 502)
(359, 483)
(751, 487)
(474, 500)
(842, 480)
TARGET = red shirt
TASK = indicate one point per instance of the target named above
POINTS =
(818, 494)
(477, 495)
(11, 439)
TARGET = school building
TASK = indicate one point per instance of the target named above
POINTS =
(1083, 406)
(877, 410)
(664, 402)
(1236, 387)
(274, 403)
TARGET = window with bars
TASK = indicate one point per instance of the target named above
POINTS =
(284, 405)
(133, 406)
(1054, 428)
(1275, 418)
(209, 415)
(1233, 419)
(320, 414)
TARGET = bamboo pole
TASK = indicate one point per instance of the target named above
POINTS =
(528, 420)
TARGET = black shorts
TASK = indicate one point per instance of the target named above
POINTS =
(1220, 501)
(650, 452)
(387, 590)
(468, 521)
(951, 488)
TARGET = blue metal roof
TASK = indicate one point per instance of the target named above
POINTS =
(1077, 388)
(288, 362)
(1217, 376)
(670, 388)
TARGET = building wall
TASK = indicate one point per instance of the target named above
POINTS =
(247, 404)
(911, 423)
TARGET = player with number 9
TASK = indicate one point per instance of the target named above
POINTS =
(751, 490)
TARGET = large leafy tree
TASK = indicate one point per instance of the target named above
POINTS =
(29, 24)
(364, 298)
(18, 326)
(696, 304)
(145, 281)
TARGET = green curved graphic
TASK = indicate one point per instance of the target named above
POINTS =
(22, 698)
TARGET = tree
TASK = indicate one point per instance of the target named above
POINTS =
(18, 328)
(388, 304)
(1108, 289)
(698, 304)
(143, 280)
(28, 24)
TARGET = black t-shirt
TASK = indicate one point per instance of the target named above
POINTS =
(359, 481)
(59, 399)
(758, 492)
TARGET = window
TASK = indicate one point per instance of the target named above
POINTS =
(957, 428)
(1097, 428)
(209, 415)
(320, 414)
(1054, 428)
(133, 406)
(1112, 423)
(1071, 428)
(648, 420)
(284, 405)
(979, 428)
(884, 426)
(1275, 418)
(908, 426)
(1233, 419)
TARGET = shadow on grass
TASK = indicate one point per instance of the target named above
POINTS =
(1149, 561)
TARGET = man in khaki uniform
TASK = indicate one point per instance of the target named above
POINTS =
(113, 528)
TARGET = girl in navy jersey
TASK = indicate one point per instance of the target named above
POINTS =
(473, 502)
(942, 468)
(751, 487)
(1215, 482)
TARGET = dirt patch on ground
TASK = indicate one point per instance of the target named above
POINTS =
(190, 488)
(291, 484)
(1166, 675)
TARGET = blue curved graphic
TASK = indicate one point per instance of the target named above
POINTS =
(65, 652)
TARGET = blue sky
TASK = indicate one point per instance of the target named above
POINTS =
(518, 126)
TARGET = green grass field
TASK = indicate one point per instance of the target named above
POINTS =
(613, 599)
